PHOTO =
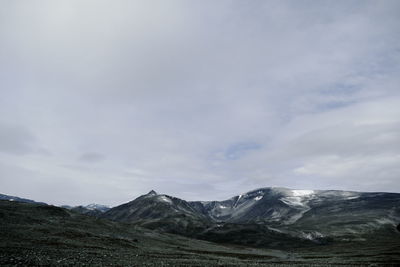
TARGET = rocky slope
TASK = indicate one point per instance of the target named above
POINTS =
(318, 228)
(42, 235)
(161, 212)
(269, 216)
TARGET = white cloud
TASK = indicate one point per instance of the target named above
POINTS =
(156, 94)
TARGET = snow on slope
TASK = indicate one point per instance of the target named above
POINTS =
(263, 204)
(164, 198)
(300, 193)
(99, 207)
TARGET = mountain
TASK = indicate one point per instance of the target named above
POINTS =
(99, 207)
(161, 212)
(92, 209)
(269, 216)
(33, 234)
(300, 227)
(18, 199)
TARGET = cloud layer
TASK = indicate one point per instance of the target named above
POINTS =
(102, 101)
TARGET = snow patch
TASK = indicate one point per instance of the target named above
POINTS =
(96, 207)
(258, 198)
(164, 199)
(299, 200)
(293, 201)
(311, 235)
(240, 196)
(301, 193)
(354, 197)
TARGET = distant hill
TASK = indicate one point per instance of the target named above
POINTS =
(18, 199)
(91, 209)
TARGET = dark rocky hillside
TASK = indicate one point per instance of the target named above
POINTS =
(161, 212)
(42, 235)
(269, 217)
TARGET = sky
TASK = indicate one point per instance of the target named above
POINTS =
(103, 101)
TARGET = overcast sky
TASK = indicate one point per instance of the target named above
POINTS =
(102, 101)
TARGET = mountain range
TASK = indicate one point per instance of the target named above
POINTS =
(264, 226)
(269, 217)
(265, 217)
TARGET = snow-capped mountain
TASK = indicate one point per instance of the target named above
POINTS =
(91, 209)
(272, 205)
(268, 214)
(99, 207)
(268, 217)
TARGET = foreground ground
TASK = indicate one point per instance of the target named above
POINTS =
(37, 235)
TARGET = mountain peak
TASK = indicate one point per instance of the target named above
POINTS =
(152, 193)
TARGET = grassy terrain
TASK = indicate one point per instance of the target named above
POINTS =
(42, 235)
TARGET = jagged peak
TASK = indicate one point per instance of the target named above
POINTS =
(152, 193)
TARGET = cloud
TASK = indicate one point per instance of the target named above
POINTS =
(213, 97)
(16, 139)
(238, 150)
(91, 157)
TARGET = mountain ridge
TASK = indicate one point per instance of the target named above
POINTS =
(267, 215)
(18, 199)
